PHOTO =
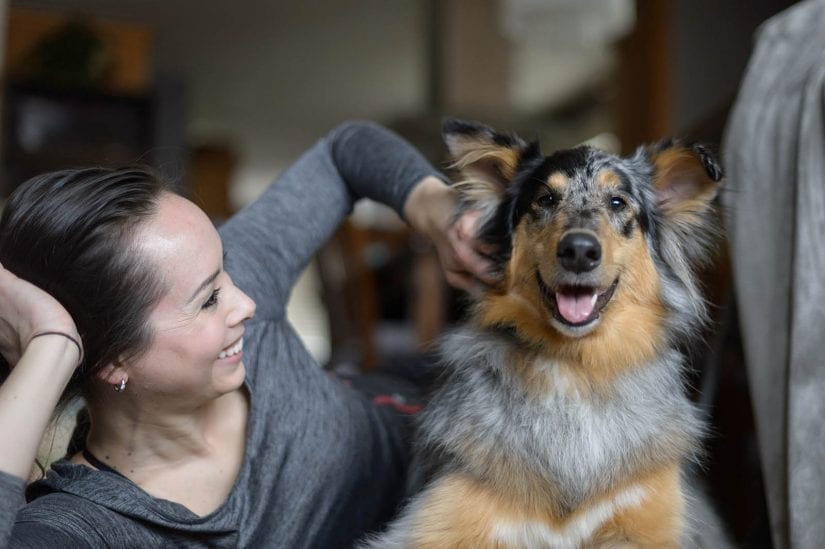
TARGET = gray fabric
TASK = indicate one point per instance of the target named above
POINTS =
(322, 464)
(775, 160)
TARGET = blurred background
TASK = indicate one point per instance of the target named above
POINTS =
(222, 96)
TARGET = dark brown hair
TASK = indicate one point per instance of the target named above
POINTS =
(71, 233)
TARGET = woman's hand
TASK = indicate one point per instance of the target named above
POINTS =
(26, 311)
(430, 209)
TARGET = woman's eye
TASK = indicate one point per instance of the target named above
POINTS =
(212, 300)
(617, 203)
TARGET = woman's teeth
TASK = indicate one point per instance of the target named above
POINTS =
(234, 350)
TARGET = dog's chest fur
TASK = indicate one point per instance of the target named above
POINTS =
(568, 444)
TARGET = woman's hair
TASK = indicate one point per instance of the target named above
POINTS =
(71, 233)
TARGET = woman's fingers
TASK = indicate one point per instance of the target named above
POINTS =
(463, 255)
(26, 310)
(472, 253)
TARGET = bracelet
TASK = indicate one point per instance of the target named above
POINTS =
(67, 336)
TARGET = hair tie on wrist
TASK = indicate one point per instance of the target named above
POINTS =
(67, 336)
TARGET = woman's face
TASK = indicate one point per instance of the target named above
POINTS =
(198, 323)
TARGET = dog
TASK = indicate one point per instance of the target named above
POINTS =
(563, 420)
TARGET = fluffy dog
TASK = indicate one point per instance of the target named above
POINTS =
(563, 420)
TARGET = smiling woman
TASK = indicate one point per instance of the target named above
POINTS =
(198, 320)
(221, 429)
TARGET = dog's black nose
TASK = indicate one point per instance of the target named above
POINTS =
(579, 252)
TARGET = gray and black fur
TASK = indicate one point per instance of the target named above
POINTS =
(530, 413)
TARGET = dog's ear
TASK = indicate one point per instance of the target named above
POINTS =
(486, 159)
(481, 152)
(488, 162)
(686, 179)
(686, 183)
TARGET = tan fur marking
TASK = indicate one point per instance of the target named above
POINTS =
(457, 514)
(558, 181)
(504, 160)
(461, 512)
(657, 523)
(608, 178)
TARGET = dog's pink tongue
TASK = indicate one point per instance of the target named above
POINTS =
(576, 308)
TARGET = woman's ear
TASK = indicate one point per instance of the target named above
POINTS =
(113, 374)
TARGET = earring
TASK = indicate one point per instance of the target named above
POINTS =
(120, 387)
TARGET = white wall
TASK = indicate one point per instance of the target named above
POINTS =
(274, 83)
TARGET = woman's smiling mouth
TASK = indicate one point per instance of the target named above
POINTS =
(232, 350)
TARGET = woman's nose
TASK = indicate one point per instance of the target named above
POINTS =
(243, 307)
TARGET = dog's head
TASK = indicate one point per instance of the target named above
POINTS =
(590, 245)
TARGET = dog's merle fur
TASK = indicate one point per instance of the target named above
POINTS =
(567, 446)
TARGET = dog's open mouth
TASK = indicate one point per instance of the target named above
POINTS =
(577, 305)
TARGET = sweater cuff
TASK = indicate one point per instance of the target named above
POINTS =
(11, 498)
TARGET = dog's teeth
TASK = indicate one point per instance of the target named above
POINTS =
(593, 299)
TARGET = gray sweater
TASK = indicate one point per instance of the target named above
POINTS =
(775, 162)
(322, 464)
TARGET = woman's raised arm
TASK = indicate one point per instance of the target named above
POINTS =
(38, 338)
(270, 242)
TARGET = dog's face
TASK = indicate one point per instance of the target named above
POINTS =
(580, 234)
(590, 244)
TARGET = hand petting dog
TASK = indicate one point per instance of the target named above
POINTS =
(464, 258)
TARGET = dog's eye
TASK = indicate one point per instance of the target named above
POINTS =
(617, 203)
(546, 200)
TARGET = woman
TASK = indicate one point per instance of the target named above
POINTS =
(210, 422)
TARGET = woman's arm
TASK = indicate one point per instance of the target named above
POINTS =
(270, 242)
(28, 398)
(40, 340)
(27, 401)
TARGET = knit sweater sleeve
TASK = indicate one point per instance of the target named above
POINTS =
(11, 497)
(16, 530)
(269, 243)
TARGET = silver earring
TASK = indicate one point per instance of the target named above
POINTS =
(120, 387)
